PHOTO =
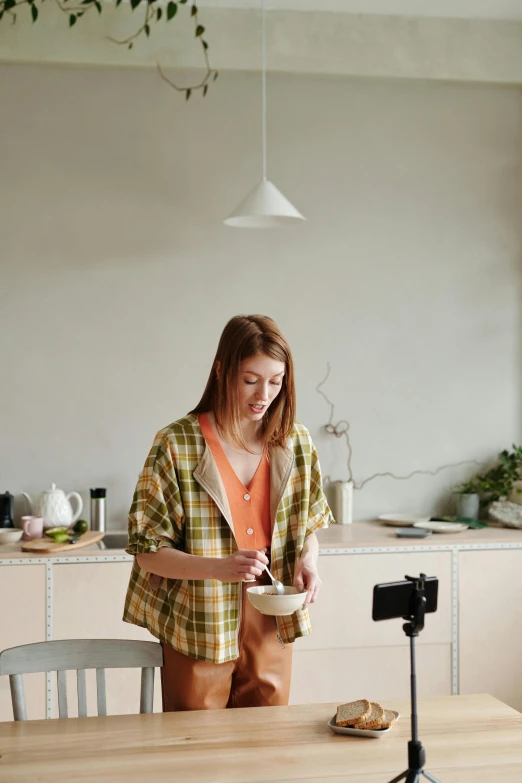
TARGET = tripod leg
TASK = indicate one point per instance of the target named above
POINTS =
(430, 777)
(400, 777)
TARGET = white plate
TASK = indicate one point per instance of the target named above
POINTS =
(442, 527)
(402, 520)
(352, 732)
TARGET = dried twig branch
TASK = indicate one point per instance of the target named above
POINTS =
(341, 430)
(417, 472)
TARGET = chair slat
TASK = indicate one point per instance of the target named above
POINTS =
(100, 689)
(62, 694)
(16, 681)
(147, 689)
(82, 693)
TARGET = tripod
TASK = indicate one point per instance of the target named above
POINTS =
(415, 624)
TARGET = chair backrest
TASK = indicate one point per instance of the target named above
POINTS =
(80, 654)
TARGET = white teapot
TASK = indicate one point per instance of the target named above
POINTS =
(54, 506)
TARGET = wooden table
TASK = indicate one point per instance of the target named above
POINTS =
(467, 738)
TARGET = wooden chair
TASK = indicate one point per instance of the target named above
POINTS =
(80, 654)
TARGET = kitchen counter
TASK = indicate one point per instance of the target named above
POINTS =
(360, 535)
(375, 534)
(354, 558)
(14, 552)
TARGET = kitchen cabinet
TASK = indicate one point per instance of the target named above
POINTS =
(88, 604)
(472, 644)
(349, 656)
(490, 627)
(22, 621)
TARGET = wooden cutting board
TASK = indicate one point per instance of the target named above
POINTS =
(46, 546)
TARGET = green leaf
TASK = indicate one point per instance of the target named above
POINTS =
(34, 13)
(188, 93)
(159, 13)
(204, 45)
(98, 6)
(1, 14)
(117, 3)
(9, 4)
(182, 2)
(199, 30)
(205, 90)
(134, 3)
(215, 76)
(172, 9)
(130, 45)
(147, 30)
(72, 20)
(194, 10)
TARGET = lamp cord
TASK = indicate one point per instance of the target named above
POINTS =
(263, 71)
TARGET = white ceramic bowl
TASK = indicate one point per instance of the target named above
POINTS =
(10, 535)
(266, 600)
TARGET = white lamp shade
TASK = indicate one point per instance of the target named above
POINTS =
(264, 207)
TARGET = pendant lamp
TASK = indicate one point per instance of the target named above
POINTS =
(265, 206)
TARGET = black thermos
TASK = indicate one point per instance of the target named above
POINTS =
(6, 510)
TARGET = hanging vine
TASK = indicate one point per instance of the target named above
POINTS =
(152, 12)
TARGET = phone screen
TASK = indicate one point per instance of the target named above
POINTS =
(395, 599)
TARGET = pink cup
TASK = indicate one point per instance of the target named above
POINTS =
(32, 527)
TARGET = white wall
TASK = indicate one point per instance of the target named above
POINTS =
(117, 274)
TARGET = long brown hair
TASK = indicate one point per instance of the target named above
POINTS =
(245, 336)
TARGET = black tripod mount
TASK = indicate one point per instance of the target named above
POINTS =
(415, 624)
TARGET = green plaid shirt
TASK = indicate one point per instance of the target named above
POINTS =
(180, 502)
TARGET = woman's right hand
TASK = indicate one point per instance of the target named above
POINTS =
(245, 564)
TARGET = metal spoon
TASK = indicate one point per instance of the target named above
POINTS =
(277, 584)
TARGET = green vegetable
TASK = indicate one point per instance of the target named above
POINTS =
(81, 526)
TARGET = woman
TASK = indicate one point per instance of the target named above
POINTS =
(230, 488)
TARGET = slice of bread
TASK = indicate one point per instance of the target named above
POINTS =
(388, 719)
(348, 714)
(374, 719)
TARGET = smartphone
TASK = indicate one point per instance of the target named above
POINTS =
(412, 532)
(395, 599)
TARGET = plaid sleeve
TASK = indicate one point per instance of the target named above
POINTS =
(156, 517)
(319, 514)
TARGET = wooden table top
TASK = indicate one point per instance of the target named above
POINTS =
(468, 739)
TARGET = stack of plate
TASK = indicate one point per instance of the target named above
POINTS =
(412, 520)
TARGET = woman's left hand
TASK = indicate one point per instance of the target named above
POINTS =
(306, 577)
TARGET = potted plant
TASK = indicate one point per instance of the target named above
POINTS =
(503, 480)
(468, 499)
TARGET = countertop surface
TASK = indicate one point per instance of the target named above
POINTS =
(14, 552)
(376, 534)
(357, 536)
(468, 739)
